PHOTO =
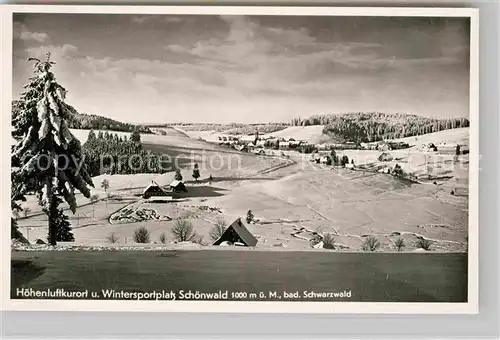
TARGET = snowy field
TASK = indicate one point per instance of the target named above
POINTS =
(312, 134)
(291, 198)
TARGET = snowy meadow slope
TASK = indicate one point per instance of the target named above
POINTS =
(291, 198)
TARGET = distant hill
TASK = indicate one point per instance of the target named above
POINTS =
(229, 129)
(375, 126)
(89, 121)
(342, 127)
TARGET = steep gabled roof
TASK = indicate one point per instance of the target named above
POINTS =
(175, 183)
(242, 232)
(153, 184)
(385, 155)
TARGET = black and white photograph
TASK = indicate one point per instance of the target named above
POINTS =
(259, 159)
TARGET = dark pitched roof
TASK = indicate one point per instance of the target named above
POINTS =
(176, 183)
(242, 232)
(153, 186)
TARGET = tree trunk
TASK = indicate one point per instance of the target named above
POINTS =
(52, 213)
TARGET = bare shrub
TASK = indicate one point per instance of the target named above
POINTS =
(183, 231)
(142, 235)
(424, 244)
(199, 240)
(163, 238)
(315, 239)
(398, 171)
(218, 229)
(399, 244)
(328, 241)
(370, 244)
(112, 238)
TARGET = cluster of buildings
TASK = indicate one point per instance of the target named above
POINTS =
(173, 190)
(384, 145)
(258, 144)
(445, 148)
(255, 143)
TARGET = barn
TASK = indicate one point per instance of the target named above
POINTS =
(237, 234)
(385, 157)
(153, 189)
(284, 145)
(178, 186)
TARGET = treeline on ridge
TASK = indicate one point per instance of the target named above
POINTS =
(230, 128)
(85, 121)
(375, 126)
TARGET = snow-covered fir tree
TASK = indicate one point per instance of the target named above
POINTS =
(178, 175)
(64, 233)
(196, 172)
(15, 206)
(47, 159)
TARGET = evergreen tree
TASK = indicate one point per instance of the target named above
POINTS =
(398, 171)
(64, 233)
(196, 172)
(344, 160)
(135, 136)
(250, 216)
(334, 157)
(178, 175)
(15, 206)
(91, 137)
(47, 158)
(105, 185)
(256, 137)
(93, 199)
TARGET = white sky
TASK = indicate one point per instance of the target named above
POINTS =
(160, 69)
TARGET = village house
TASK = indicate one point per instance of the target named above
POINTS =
(429, 147)
(237, 234)
(321, 147)
(383, 146)
(284, 145)
(261, 143)
(154, 190)
(369, 146)
(398, 145)
(449, 148)
(385, 157)
(320, 157)
(177, 186)
(241, 147)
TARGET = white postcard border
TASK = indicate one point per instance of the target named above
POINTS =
(470, 307)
